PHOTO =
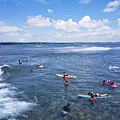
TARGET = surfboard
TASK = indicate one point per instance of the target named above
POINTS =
(41, 66)
(69, 76)
(87, 96)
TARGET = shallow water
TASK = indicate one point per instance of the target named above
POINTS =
(40, 95)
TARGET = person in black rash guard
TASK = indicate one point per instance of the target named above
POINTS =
(65, 74)
(66, 109)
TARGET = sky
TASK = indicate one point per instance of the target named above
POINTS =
(60, 21)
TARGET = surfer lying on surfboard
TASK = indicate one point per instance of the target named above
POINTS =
(110, 82)
(97, 94)
(68, 75)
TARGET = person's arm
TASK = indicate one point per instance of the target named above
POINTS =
(96, 100)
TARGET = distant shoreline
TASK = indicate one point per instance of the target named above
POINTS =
(16, 43)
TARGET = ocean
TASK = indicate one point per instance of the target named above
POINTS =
(40, 94)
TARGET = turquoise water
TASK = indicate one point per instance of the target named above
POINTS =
(40, 95)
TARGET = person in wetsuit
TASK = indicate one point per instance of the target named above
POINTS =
(66, 109)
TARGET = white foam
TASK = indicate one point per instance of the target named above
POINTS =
(14, 108)
(117, 48)
(92, 49)
(82, 48)
(114, 67)
(7, 66)
(9, 105)
(0, 71)
(39, 46)
(4, 92)
(3, 85)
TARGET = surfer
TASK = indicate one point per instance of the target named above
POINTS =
(92, 99)
(65, 74)
(103, 82)
(19, 62)
(68, 75)
(66, 83)
(31, 70)
(5, 72)
(113, 83)
(110, 82)
(97, 94)
(26, 60)
(66, 109)
(40, 65)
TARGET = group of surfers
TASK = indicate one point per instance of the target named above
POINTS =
(19, 62)
(108, 81)
(66, 109)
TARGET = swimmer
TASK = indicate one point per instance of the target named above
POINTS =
(92, 99)
(26, 60)
(32, 70)
(40, 65)
(66, 109)
(103, 82)
(5, 72)
(66, 83)
(19, 62)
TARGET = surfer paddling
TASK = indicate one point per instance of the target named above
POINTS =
(97, 94)
(67, 75)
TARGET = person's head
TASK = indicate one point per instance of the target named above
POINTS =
(113, 83)
(89, 94)
(66, 81)
(68, 104)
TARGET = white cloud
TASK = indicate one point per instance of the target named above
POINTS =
(119, 21)
(2, 23)
(111, 6)
(22, 40)
(67, 26)
(46, 1)
(86, 22)
(50, 11)
(84, 1)
(38, 21)
(8, 29)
